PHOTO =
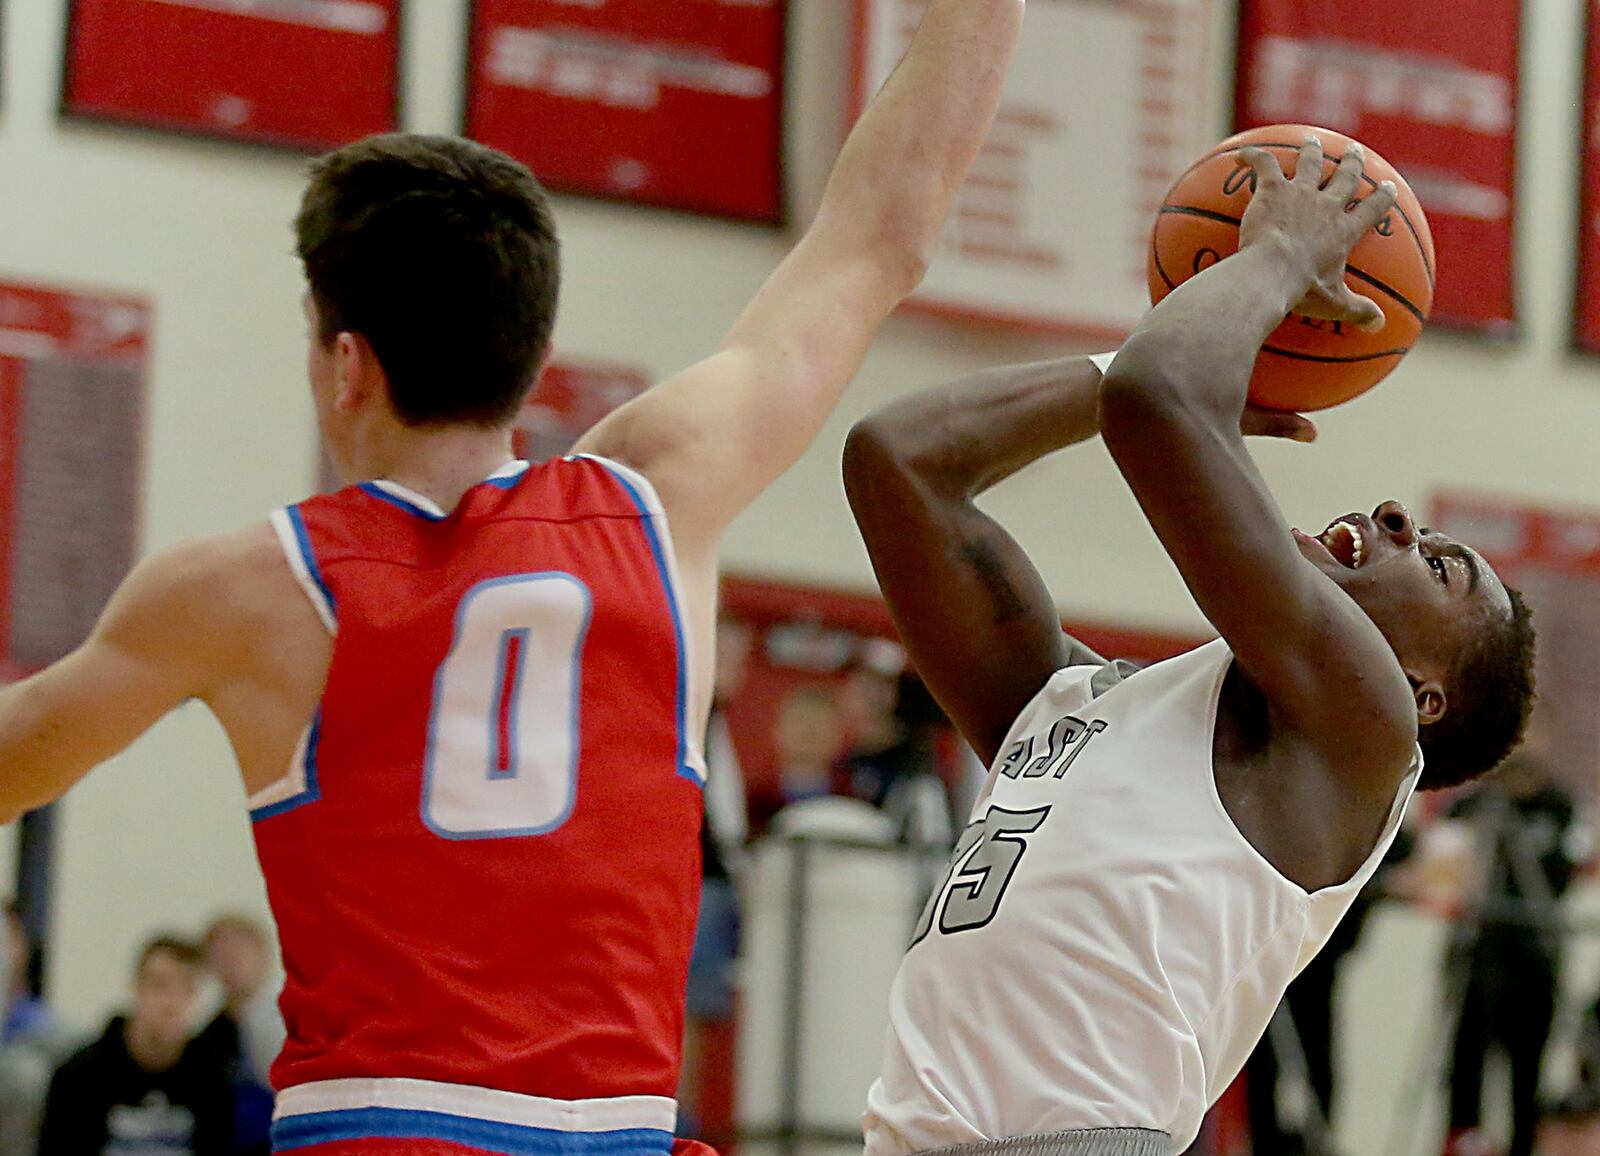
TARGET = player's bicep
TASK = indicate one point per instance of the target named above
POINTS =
(976, 618)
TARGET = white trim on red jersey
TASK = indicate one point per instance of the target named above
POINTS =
(656, 1113)
(301, 561)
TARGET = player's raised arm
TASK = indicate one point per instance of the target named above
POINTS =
(713, 437)
(1170, 408)
(981, 628)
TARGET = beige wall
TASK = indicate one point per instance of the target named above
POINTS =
(159, 837)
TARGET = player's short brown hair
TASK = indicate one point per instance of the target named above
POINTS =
(1491, 699)
(442, 254)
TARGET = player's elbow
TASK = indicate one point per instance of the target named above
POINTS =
(1144, 389)
(880, 459)
(872, 451)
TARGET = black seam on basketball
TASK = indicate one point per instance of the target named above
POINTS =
(1208, 214)
(1411, 227)
(1326, 359)
(1389, 291)
(1155, 256)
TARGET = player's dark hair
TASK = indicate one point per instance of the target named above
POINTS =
(176, 946)
(443, 255)
(1490, 699)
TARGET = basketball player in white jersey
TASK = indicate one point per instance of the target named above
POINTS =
(1156, 854)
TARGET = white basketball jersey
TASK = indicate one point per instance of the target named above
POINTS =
(1107, 947)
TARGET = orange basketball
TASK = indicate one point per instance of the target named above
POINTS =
(1306, 364)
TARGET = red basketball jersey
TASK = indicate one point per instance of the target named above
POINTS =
(484, 862)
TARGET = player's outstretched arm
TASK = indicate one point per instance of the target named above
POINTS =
(1170, 406)
(713, 437)
(155, 646)
(975, 615)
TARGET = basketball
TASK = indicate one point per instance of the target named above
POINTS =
(1307, 364)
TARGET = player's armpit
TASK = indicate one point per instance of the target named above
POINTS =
(156, 645)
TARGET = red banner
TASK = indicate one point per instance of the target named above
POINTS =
(1431, 85)
(71, 404)
(1586, 327)
(305, 74)
(664, 102)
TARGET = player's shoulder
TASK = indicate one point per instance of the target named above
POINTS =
(212, 578)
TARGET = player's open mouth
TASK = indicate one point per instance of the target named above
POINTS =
(1344, 541)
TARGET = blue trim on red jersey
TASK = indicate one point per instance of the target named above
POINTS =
(313, 791)
(291, 1132)
(398, 502)
(510, 481)
(647, 517)
(303, 537)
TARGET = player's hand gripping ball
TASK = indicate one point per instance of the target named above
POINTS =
(1307, 364)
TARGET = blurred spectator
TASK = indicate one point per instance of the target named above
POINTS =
(248, 1032)
(893, 760)
(722, 834)
(28, 1019)
(140, 1088)
(727, 814)
(806, 738)
(1505, 962)
(24, 1076)
(876, 734)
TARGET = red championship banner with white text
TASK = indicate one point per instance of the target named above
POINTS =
(1431, 85)
(1102, 113)
(676, 103)
(304, 74)
(72, 370)
(1586, 328)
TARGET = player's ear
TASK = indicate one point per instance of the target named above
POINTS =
(1430, 696)
(358, 375)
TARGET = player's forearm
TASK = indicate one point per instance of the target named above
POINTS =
(897, 177)
(966, 437)
(1198, 347)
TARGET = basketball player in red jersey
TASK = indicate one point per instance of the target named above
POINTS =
(466, 694)
(1156, 854)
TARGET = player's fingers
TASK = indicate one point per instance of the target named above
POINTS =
(1365, 216)
(1264, 164)
(1346, 178)
(1273, 423)
(1308, 169)
(1363, 312)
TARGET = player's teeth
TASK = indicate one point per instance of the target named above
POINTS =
(1357, 545)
